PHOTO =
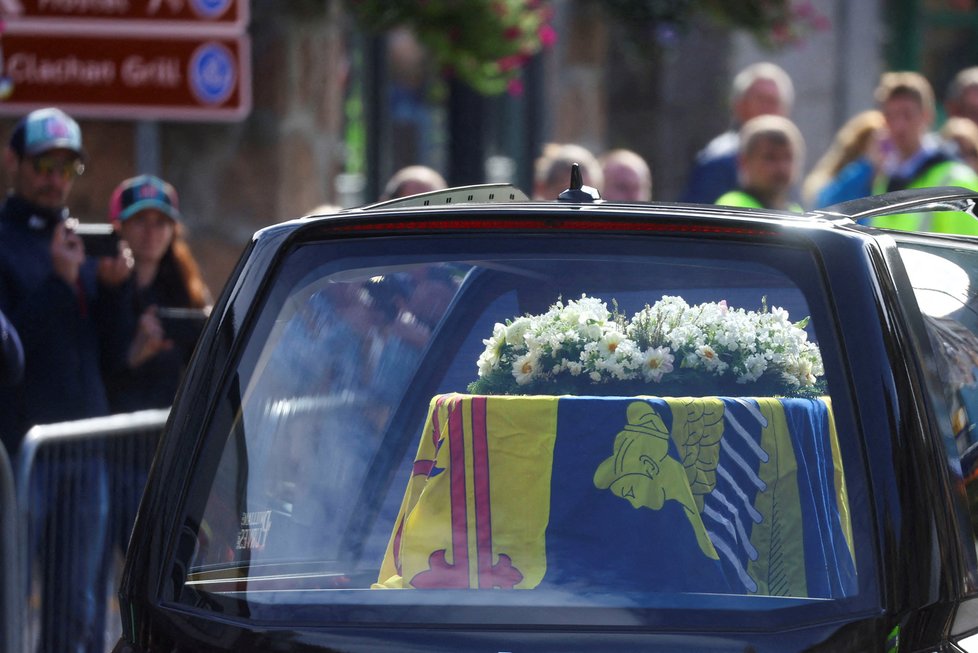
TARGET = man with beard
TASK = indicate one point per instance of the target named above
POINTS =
(69, 313)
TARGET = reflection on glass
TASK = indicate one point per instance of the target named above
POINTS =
(941, 285)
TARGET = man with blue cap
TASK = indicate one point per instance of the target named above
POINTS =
(70, 315)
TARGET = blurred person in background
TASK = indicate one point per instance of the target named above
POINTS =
(846, 170)
(146, 211)
(627, 177)
(66, 309)
(552, 170)
(962, 133)
(961, 99)
(70, 314)
(759, 89)
(412, 180)
(768, 164)
(913, 157)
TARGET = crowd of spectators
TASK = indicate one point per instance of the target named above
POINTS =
(758, 161)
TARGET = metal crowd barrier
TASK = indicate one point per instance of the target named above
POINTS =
(78, 485)
(12, 613)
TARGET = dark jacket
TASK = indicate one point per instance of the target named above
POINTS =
(715, 170)
(154, 383)
(68, 337)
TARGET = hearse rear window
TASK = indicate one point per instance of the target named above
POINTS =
(507, 424)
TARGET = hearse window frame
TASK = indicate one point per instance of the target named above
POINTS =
(302, 258)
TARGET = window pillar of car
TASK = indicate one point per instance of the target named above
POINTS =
(944, 276)
(920, 356)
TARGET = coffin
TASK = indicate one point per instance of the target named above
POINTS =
(741, 495)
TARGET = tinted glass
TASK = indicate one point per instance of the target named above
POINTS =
(601, 422)
(945, 283)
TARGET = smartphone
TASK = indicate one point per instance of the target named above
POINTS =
(100, 239)
(182, 325)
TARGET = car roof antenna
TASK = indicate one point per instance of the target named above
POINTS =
(578, 192)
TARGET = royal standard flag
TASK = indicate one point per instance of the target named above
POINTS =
(614, 494)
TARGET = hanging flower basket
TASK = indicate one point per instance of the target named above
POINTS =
(485, 43)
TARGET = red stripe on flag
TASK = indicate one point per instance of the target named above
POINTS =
(480, 479)
(456, 445)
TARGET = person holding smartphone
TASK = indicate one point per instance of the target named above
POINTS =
(69, 311)
(168, 304)
(169, 301)
(67, 308)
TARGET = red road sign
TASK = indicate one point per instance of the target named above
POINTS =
(144, 78)
(138, 15)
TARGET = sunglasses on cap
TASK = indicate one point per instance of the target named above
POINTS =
(45, 165)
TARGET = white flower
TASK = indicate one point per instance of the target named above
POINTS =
(585, 310)
(486, 364)
(516, 331)
(803, 372)
(490, 358)
(754, 366)
(609, 343)
(656, 363)
(706, 353)
(534, 344)
(524, 369)
(710, 359)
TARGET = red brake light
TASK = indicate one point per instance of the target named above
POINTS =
(544, 224)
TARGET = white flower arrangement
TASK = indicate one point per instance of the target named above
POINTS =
(582, 347)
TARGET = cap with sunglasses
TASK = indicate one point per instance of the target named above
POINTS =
(44, 130)
(140, 193)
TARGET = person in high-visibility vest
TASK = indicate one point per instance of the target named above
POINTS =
(768, 164)
(915, 158)
(761, 88)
